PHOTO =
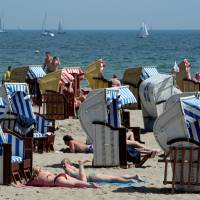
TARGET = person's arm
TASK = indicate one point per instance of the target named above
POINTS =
(72, 147)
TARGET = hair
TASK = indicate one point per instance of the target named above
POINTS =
(67, 138)
(65, 160)
(114, 76)
(67, 84)
(9, 67)
(55, 58)
(48, 53)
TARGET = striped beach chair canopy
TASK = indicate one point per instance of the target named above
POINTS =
(11, 88)
(191, 110)
(35, 72)
(75, 70)
(66, 77)
(148, 71)
(17, 146)
(3, 107)
(123, 95)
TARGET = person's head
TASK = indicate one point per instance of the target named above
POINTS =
(114, 76)
(47, 53)
(9, 68)
(35, 171)
(197, 76)
(65, 160)
(67, 139)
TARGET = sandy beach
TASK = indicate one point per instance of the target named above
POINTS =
(152, 173)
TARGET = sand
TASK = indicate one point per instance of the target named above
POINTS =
(152, 173)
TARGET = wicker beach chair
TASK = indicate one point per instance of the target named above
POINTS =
(177, 132)
(32, 124)
(55, 105)
(92, 75)
(104, 129)
(133, 77)
(19, 74)
(15, 157)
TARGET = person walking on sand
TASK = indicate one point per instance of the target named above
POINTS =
(93, 177)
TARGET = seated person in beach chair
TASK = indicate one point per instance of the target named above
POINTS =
(131, 142)
(77, 147)
(93, 177)
(115, 81)
(197, 77)
(43, 178)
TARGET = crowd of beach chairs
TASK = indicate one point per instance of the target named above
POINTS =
(169, 103)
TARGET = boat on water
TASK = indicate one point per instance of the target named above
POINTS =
(60, 28)
(2, 29)
(143, 31)
(46, 32)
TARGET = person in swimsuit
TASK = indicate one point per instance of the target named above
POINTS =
(115, 81)
(93, 177)
(43, 178)
(77, 147)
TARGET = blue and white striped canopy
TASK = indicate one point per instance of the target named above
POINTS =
(35, 72)
(11, 88)
(148, 71)
(191, 110)
(2, 107)
(123, 95)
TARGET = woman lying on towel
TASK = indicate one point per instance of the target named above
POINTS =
(43, 178)
(93, 177)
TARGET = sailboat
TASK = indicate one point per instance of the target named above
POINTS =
(60, 28)
(46, 32)
(2, 30)
(143, 31)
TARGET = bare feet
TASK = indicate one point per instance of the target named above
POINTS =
(137, 177)
(82, 162)
(94, 185)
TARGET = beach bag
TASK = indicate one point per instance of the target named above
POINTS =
(133, 155)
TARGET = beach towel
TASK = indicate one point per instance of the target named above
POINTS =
(132, 182)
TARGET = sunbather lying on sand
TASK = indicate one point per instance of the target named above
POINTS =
(42, 178)
(93, 177)
(130, 141)
(77, 147)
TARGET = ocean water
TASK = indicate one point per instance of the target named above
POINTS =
(119, 49)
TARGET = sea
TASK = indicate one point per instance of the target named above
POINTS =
(120, 49)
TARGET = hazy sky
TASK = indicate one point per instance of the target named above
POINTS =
(101, 14)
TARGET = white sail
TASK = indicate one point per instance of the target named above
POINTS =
(143, 31)
(1, 26)
(60, 28)
(176, 68)
(46, 32)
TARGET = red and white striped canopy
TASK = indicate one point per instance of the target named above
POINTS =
(75, 70)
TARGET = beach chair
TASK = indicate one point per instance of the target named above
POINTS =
(32, 124)
(183, 158)
(154, 93)
(177, 132)
(35, 72)
(133, 77)
(50, 88)
(15, 157)
(8, 89)
(104, 129)
(19, 74)
(92, 75)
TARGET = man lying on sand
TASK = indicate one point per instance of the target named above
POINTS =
(77, 147)
(93, 177)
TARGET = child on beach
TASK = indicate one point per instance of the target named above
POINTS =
(77, 147)
(93, 177)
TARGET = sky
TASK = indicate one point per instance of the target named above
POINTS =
(101, 14)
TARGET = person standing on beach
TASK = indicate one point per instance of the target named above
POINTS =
(7, 74)
(53, 65)
(47, 61)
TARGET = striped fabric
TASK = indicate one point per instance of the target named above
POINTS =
(2, 107)
(35, 72)
(11, 88)
(41, 126)
(123, 95)
(113, 115)
(148, 71)
(21, 104)
(75, 70)
(66, 77)
(16, 159)
(191, 110)
(3, 138)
